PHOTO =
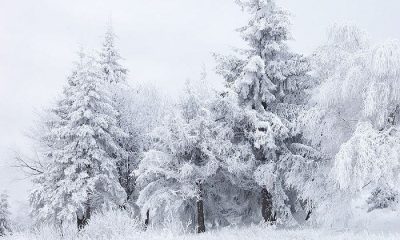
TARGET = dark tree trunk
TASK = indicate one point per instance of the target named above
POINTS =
(82, 221)
(308, 215)
(147, 220)
(200, 217)
(266, 206)
(200, 210)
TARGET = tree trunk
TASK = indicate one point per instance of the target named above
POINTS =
(147, 220)
(308, 215)
(82, 221)
(200, 210)
(266, 206)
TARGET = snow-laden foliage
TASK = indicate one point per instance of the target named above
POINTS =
(81, 176)
(109, 59)
(271, 84)
(370, 156)
(114, 75)
(357, 83)
(383, 197)
(141, 109)
(180, 161)
(193, 156)
(354, 119)
(5, 222)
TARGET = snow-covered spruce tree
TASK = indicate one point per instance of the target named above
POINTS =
(233, 195)
(354, 120)
(81, 176)
(271, 82)
(176, 173)
(109, 59)
(140, 109)
(5, 224)
(114, 75)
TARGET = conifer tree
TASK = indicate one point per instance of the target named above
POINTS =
(109, 59)
(114, 74)
(82, 152)
(270, 82)
(173, 173)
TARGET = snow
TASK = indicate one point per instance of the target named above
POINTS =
(382, 221)
(232, 233)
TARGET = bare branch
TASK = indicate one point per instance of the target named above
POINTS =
(29, 167)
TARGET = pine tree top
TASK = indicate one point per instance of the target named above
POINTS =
(109, 59)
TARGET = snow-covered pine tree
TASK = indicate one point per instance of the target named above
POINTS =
(233, 196)
(271, 82)
(175, 172)
(114, 75)
(139, 108)
(109, 59)
(5, 224)
(81, 176)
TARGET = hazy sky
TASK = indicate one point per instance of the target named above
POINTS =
(164, 42)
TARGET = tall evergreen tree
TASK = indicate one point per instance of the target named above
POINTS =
(114, 74)
(270, 82)
(81, 176)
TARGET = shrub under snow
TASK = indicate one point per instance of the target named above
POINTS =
(110, 225)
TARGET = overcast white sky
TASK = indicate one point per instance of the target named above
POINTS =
(163, 41)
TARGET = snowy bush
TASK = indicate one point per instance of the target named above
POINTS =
(111, 225)
(382, 197)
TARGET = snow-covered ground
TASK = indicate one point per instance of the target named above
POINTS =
(118, 225)
(247, 233)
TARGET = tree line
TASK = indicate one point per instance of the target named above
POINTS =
(289, 139)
